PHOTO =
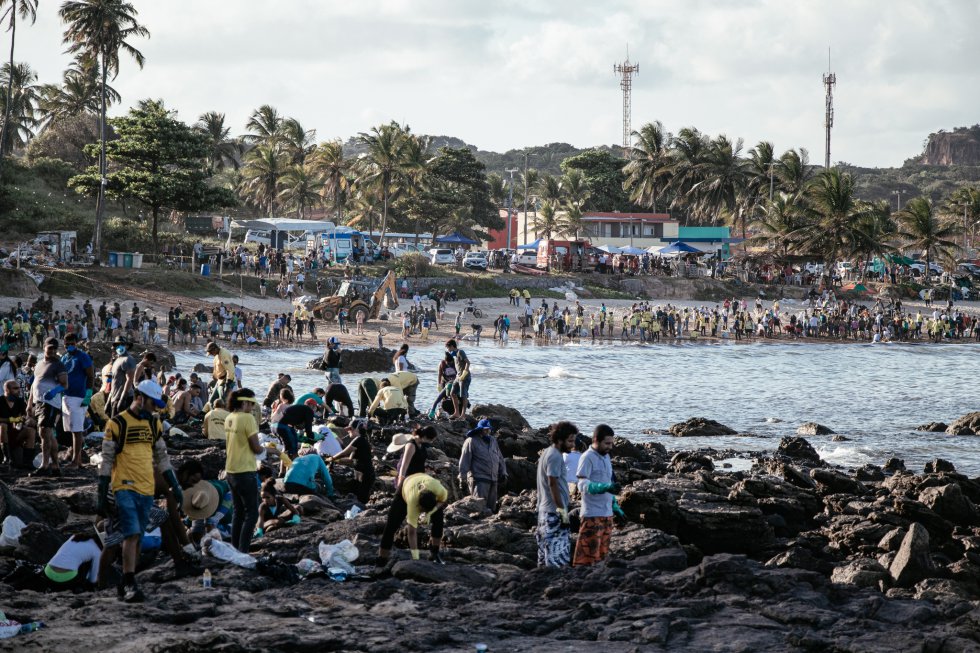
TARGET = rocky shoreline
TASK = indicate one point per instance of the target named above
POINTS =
(792, 555)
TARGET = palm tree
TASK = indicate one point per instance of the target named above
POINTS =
(264, 166)
(98, 30)
(264, 125)
(498, 189)
(364, 209)
(383, 163)
(964, 204)
(19, 104)
(300, 188)
(296, 141)
(550, 190)
(723, 178)
(834, 230)
(777, 224)
(921, 228)
(688, 152)
(28, 11)
(873, 231)
(80, 93)
(223, 151)
(649, 167)
(332, 168)
(794, 170)
(547, 221)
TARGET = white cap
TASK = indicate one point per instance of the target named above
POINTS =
(152, 390)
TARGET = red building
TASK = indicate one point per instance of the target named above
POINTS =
(498, 237)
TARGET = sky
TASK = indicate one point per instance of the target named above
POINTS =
(506, 74)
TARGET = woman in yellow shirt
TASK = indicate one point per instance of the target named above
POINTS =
(241, 445)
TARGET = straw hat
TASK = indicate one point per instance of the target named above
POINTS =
(202, 501)
(398, 441)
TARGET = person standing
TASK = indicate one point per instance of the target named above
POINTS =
(463, 378)
(554, 546)
(133, 450)
(77, 395)
(222, 373)
(331, 360)
(241, 446)
(598, 488)
(123, 378)
(50, 379)
(481, 464)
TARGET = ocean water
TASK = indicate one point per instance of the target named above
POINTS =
(875, 395)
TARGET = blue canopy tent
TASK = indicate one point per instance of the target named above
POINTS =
(678, 248)
(533, 245)
(456, 238)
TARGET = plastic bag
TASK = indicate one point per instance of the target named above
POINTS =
(339, 556)
(307, 566)
(228, 553)
(12, 526)
(352, 512)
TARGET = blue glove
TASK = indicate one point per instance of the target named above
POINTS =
(602, 488)
(53, 392)
(617, 510)
(294, 519)
(171, 478)
(88, 398)
(258, 532)
(102, 502)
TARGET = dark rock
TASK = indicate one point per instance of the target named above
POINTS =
(623, 448)
(892, 540)
(812, 428)
(101, 353)
(798, 449)
(700, 427)
(912, 562)
(521, 475)
(969, 424)
(38, 543)
(82, 502)
(359, 361)
(201, 368)
(869, 474)
(684, 462)
(893, 465)
(52, 510)
(939, 465)
(840, 438)
(860, 573)
(500, 416)
(949, 503)
(12, 504)
(833, 482)
(634, 541)
(933, 427)
(424, 571)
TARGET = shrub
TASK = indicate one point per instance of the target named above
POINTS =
(415, 265)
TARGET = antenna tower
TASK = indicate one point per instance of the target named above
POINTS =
(829, 81)
(626, 70)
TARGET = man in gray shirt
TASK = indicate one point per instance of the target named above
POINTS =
(481, 464)
(598, 488)
(554, 548)
(123, 369)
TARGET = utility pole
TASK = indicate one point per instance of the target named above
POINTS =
(626, 70)
(898, 192)
(526, 155)
(510, 204)
(829, 81)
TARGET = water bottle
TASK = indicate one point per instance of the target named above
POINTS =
(207, 579)
(31, 627)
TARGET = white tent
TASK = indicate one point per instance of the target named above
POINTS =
(609, 249)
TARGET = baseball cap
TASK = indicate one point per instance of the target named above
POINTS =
(152, 390)
(482, 424)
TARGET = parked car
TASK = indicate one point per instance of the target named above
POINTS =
(475, 260)
(442, 257)
(969, 269)
(527, 257)
(258, 237)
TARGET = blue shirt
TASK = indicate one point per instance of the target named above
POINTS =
(305, 470)
(77, 363)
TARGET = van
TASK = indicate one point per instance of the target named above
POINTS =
(442, 256)
(257, 236)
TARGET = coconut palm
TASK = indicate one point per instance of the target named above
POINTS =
(922, 228)
(80, 93)
(776, 224)
(688, 153)
(223, 151)
(834, 230)
(723, 178)
(964, 204)
(19, 104)
(300, 188)
(547, 221)
(649, 167)
(550, 190)
(264, 167)
(382, 164)
(794, 171)
(873, 231)
(98, 30)
(297, 142)
(364, 209)
(333, 169)
(27, 10)
(264, 125)
(498, 189)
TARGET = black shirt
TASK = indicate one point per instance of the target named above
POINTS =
(19, 409)
(417, 464)
(363, 461)
(338, 392)
(299, 415)
(332, 358)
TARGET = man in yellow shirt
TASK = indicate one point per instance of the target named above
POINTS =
(132, 451)
(389, 404)
(409, 384)
(420, 494)
(223, 372)
(214, 421)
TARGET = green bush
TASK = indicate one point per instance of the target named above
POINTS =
(54, 172)
(415, 265)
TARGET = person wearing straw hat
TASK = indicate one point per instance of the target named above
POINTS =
(208, 510)
(481, 464)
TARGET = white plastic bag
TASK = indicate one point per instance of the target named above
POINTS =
(12, 526)
(339, 555)
(228, 553)
(352, 512)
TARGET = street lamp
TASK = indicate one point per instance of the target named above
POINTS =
(526, 155)
(898, 193)
(510, 203)
(771, 165)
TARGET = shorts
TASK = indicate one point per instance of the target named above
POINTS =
(132, 512)
(333, 375)
(47, 415)
(465, 391)
(73, 414)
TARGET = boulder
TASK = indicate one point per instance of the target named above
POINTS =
(938, 465)
(521, 475)
(700, 427)
(424, 571)
(832, 482)
(12, 504)
(949, 503)
(798, 449)
(360, 361)
(812, 428)
(933, 427)
(52, 509)
(102, 352)
(912, 562)
(863, 572)
(38, 543)
(500, 416)
(969, 424)
(635, 541)
(892, 540)
(869, 474)
(685, 462)
(893, 465)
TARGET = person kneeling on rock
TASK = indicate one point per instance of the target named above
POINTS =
(275, 511)
(420, 495)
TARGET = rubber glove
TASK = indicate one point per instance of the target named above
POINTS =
(258, 532)
(88, 398)
(563, 514)
(171, 478)
(102, 503)
(617, 510)
(53, 392)
(602, 488)
(294, 519)
(415, 554)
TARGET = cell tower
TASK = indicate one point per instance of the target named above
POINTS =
(829, 81)
(626, 70)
